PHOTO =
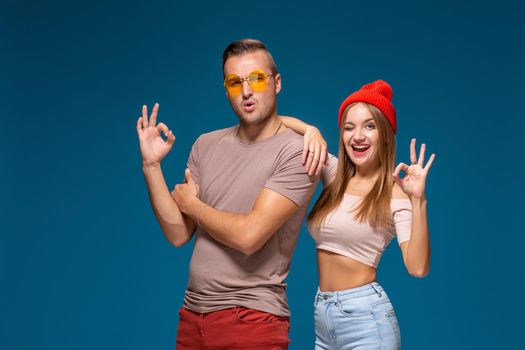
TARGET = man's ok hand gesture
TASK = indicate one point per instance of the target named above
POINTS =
(153, 147)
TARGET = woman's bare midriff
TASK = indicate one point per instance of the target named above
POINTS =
(337, 272)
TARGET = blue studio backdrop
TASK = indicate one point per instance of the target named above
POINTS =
(83, 263)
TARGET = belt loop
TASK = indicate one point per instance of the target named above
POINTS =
(374, 286)
(318, 297)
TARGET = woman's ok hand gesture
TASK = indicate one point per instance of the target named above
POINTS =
(413, 183)
(153, 147)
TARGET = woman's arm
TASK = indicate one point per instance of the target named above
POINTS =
(315, 150)
(416, 251)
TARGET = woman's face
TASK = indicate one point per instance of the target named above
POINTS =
(360, 136)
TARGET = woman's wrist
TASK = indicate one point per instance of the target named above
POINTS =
(418, 201)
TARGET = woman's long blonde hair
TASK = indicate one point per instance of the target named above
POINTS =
(374, 208)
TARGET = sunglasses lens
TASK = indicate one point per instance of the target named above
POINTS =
(233, 84)
(257, 80)
(233, 81)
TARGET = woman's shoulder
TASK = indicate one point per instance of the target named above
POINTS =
(329, 171)
(397, 192)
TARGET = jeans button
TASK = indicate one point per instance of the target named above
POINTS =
(325, 297)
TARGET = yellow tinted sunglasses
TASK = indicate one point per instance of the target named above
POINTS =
(258, 81)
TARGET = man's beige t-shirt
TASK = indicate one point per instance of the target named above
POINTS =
(230, 175)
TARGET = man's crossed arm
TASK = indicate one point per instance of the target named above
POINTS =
(244, 232)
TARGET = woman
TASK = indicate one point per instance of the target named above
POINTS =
(364, 205)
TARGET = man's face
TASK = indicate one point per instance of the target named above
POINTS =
(253, 105)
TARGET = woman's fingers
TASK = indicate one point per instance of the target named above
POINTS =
(309, 160)
(421, 160)
(413, 157)
(315, 162)
(144, 116)
(400, 167)
(398, 180)
(306, 149)
(429, 163)
(322, 161)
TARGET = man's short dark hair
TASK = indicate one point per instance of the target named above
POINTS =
(243, 46)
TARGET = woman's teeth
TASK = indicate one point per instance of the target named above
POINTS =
(360, 148)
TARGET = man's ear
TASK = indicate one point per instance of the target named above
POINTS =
(277, 83)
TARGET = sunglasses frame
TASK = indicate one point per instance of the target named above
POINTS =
(237, 90)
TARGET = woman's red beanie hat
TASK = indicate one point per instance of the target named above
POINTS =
(378, 94)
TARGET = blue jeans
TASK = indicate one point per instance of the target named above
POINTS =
(357, 318)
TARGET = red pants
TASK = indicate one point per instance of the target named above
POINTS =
(235, 328)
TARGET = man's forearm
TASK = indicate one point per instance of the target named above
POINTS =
(173, 223)
(244, 232)
(231, 229)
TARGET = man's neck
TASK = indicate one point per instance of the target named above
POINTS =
(261, 131)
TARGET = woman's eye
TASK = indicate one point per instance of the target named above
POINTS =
(370, 126)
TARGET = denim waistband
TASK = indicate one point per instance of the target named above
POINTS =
(366, 290)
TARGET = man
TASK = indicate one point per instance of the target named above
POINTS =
(252, 195)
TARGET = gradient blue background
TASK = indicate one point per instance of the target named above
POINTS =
(83, 263)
